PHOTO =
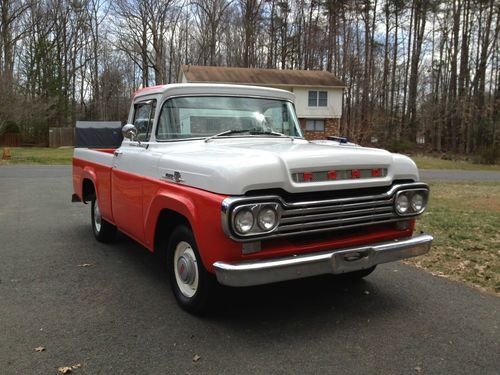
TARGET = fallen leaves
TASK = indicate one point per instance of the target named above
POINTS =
(418, 369)
(439, 274)
(196, 358)
(86, 265)
(464, 222)
(68, 369)
(39, 349)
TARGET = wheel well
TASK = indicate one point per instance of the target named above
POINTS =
(88, 190)
(167, 221)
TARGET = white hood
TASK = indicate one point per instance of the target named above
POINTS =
(236, 166)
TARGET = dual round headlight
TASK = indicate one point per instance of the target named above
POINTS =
(410, 202)
(256, 218)
(243, 221)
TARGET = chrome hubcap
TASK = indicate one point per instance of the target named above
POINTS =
(186, 269)
(97, 217)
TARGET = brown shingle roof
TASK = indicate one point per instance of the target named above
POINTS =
(264, 77)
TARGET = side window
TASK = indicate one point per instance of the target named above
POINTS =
(144, 114)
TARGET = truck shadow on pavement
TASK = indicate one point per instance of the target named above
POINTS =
(284, 302)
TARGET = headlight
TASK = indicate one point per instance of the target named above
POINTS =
(251, 220)
(268, 218)
(417, 202)
(411, 202)
(243, 221)
(402, 203)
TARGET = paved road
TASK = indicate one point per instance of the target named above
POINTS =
(118, 316)
(454, 175)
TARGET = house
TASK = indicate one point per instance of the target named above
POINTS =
(318, 94)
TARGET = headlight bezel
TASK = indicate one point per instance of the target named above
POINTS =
(409, 194)
(255, 208)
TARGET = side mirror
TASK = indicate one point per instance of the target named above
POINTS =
(129, 131)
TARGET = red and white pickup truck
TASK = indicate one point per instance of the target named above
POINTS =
(219, 179)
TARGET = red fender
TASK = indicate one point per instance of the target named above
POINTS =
(167, 200)
(202, 210)
(89, 173)
(100, 175)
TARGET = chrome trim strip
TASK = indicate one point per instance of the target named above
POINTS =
(308, 210)
(336, 261)
(348, 220)
(298, 219)
(340, 227)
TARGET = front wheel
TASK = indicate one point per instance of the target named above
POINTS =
(103, 231)
(191, 283)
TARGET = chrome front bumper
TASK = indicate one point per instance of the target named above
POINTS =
(338, 261)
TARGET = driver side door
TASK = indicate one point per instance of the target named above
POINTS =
(130, 164)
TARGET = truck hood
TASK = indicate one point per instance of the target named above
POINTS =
(236, 166)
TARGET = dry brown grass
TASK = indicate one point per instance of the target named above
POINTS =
(465, 221)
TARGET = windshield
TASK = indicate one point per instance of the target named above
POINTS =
(205, 116)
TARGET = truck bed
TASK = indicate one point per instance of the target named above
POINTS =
(96, 155)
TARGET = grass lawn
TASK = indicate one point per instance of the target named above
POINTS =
(38, 155)
(429, 162)
(465, 221)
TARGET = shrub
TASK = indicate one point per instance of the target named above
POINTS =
(487, 155)
(403, 146)
(9, 127)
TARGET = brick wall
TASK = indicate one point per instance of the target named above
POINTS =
(332, 127)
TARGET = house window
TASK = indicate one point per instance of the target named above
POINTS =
(315, 125)
(318, 98)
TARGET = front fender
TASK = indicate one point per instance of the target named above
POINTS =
(203, 212)
(171, 201)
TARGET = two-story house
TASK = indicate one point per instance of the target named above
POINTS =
(318, 94)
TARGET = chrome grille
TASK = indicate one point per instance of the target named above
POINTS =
(305, 217)
(312, 216)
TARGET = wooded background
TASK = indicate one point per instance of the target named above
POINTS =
(412, 67)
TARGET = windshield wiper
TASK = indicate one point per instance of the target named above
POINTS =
(267, 132)
(249, 131)
(227, 132)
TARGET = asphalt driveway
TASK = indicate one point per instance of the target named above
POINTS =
(109, 308)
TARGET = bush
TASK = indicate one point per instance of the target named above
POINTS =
(402, 146)
(487, 155)
(9, 127)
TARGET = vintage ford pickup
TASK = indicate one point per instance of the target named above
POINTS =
(220, 181)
